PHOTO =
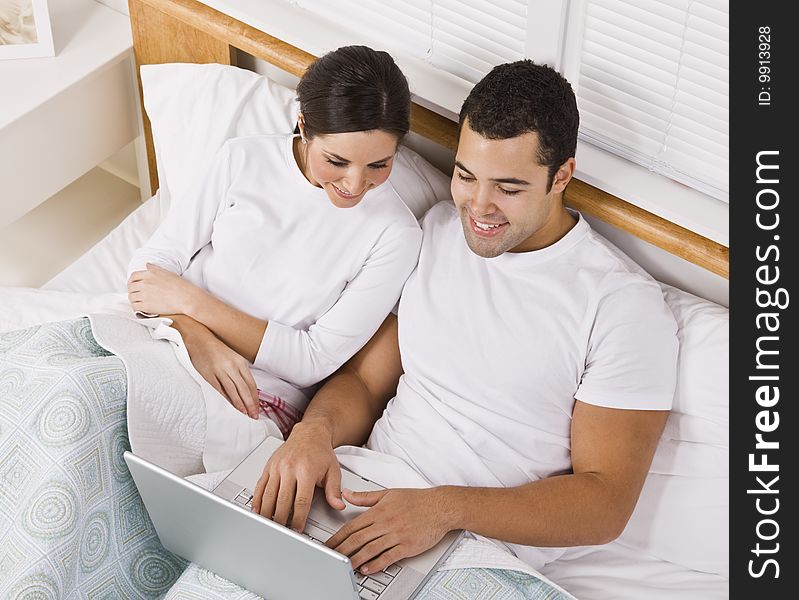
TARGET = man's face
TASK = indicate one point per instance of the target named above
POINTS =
(500, 191)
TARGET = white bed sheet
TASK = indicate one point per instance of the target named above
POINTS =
(102, 268)
(612, 572)
(615, 572)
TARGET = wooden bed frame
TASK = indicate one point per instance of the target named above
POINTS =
(166, 31)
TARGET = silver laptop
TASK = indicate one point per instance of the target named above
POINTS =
(218, 531)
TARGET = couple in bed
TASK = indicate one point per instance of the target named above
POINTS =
(529, 370)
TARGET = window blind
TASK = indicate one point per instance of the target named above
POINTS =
(463, 37)
(654, 86)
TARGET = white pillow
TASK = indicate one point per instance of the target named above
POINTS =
(682, 515)
(696, 439)
(194, 108)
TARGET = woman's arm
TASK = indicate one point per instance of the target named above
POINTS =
(227, 371)
(303, 357)
(189, 222)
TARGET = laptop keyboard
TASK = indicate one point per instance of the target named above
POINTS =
(369, 587)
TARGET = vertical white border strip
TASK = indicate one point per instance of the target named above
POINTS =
(546, 29)
(44, 35)
(572, 47)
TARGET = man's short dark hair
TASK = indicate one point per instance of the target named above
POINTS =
(521, 97)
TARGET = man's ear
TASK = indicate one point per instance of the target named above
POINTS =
(563, 176)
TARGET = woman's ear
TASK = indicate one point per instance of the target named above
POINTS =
(301, 127)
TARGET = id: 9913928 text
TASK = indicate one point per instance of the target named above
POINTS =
(764, 65)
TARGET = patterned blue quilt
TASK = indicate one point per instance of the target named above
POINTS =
(72, 524)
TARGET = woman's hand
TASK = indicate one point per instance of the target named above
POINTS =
(158, 291)
(227, 371)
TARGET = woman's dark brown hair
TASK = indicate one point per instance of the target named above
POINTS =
(354, 88)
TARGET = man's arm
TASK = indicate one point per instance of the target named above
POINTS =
(342, 412)
(612, 450)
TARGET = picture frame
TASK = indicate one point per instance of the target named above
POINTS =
(25, 30)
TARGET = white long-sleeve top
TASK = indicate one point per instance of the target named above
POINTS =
(258, 236)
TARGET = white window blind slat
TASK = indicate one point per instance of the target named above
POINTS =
(642, 130)
(686, 131)
(492, 51)
(701, 96)
(482, 12)
(705, 43)
(515, 8)
(597, 130)
(715, 11)
(697, 63)
(656, 67)
(599, 18)
(681, 155)
(682, 69)
(631, 15)
(612, 32)
(638, 111)
(480, 25)
(654, 80)
(483, 59)
(594, 79)
(715, 123)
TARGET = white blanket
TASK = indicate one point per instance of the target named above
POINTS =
(169, 403)
(166, 397)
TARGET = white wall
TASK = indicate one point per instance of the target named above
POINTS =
(117, 5)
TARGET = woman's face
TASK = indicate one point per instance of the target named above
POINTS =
(347, 165)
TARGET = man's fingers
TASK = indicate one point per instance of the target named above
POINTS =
(363, 498)
(350, 528)
(333, 487)
(285, 501)
(302, 504)
(370, 551)
(257, 495)
(269, 498)
(357, 540)
(389, 557)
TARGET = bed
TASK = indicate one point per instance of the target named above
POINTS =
(676, 542)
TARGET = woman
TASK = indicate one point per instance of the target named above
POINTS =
(289, 254)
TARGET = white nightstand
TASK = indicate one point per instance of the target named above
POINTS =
(59, 118)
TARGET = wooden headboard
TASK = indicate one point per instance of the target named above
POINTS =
(166, 31)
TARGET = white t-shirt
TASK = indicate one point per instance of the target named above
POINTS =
(258, 236)
(495, 351)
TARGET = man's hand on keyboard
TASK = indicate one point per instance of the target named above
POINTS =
(286, 487)
(400, 523)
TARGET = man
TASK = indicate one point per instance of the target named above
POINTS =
(531, 366)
